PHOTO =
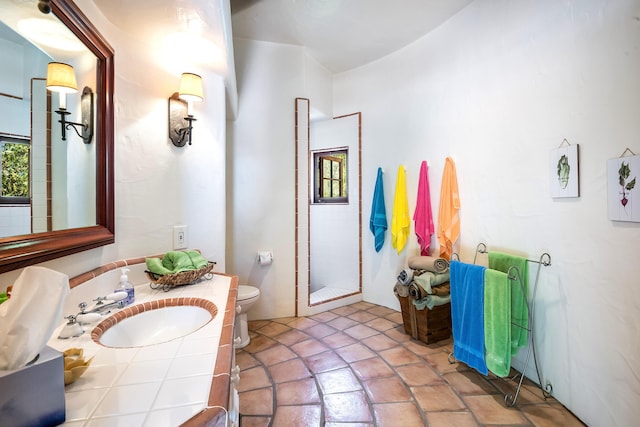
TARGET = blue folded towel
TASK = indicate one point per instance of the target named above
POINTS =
(467, 314)
(378, 219)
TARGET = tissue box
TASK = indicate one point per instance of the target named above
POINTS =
(34, 395)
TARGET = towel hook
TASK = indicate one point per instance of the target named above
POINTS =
(545, 259)
(564, 140)
(480, 249)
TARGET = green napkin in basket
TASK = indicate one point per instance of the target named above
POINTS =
(154, 265)
(197, 259)
(176, 262)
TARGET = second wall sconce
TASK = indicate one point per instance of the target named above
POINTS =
(62, 79)
(180, 109)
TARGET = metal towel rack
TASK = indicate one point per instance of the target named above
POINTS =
(514, 275)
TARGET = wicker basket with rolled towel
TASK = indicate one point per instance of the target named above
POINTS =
(429, 263)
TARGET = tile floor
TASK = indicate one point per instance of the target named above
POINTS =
(355, 366)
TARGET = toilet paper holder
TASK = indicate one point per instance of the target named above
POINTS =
(265, 257)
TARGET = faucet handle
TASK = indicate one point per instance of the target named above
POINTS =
(86, 318)
(82, 306)
(115, 296)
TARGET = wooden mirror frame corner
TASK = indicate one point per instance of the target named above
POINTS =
(21, 251)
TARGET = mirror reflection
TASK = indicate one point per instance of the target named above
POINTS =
(47, 184)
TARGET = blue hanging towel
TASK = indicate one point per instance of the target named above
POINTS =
(467, 314)
(378, 219)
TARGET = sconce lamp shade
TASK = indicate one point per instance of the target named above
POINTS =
(61, 78)
(191, 87)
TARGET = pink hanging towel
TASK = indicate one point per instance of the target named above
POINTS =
(423, 216)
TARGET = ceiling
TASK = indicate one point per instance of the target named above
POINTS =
(341, 34)
(22, 23)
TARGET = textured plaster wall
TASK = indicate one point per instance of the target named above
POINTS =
(260, 207)
(157, 185)
(496, 88)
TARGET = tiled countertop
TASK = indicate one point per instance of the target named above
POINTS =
(167, 384)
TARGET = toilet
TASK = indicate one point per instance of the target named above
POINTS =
(247, 297)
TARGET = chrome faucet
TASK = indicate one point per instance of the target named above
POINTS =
(100, 307)
(73, 327)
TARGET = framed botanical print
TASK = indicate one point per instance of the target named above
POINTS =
(622, 192)
(564, 171)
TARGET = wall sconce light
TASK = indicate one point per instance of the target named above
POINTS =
(180, 105)
(62, 79)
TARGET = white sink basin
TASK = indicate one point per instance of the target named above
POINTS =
(152, 324)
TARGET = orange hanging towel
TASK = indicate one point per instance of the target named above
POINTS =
(448, 218)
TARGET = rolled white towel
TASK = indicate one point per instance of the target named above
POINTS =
(429, 263)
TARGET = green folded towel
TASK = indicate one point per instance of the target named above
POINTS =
(197, 259)
(497, 322)
(176, 262)
(431, 301)
(429, 279)
(154, 265)
(519, 310)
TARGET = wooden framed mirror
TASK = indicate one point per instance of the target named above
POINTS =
(24, 250)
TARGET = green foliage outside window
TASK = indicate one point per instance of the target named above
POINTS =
(15, 169)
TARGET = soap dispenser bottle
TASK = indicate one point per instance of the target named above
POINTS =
(126, 286)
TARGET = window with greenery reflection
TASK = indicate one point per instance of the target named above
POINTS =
(14, 166)
(330, 176)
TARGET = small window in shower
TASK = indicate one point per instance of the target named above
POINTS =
(14, 169)
(330, 176)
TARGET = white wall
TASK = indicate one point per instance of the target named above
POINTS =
(15, 220)
(81, 172)
(261, 167)
(319, 88)
(261, 172)
(157, 185)
(25, 62)
(497, 87)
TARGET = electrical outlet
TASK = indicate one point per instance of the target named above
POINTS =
(179, 237)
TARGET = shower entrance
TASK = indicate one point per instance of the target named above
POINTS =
(328, 211)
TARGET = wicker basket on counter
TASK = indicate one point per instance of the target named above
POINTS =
(168, 281)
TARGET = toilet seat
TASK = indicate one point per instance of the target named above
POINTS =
(247, 292)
